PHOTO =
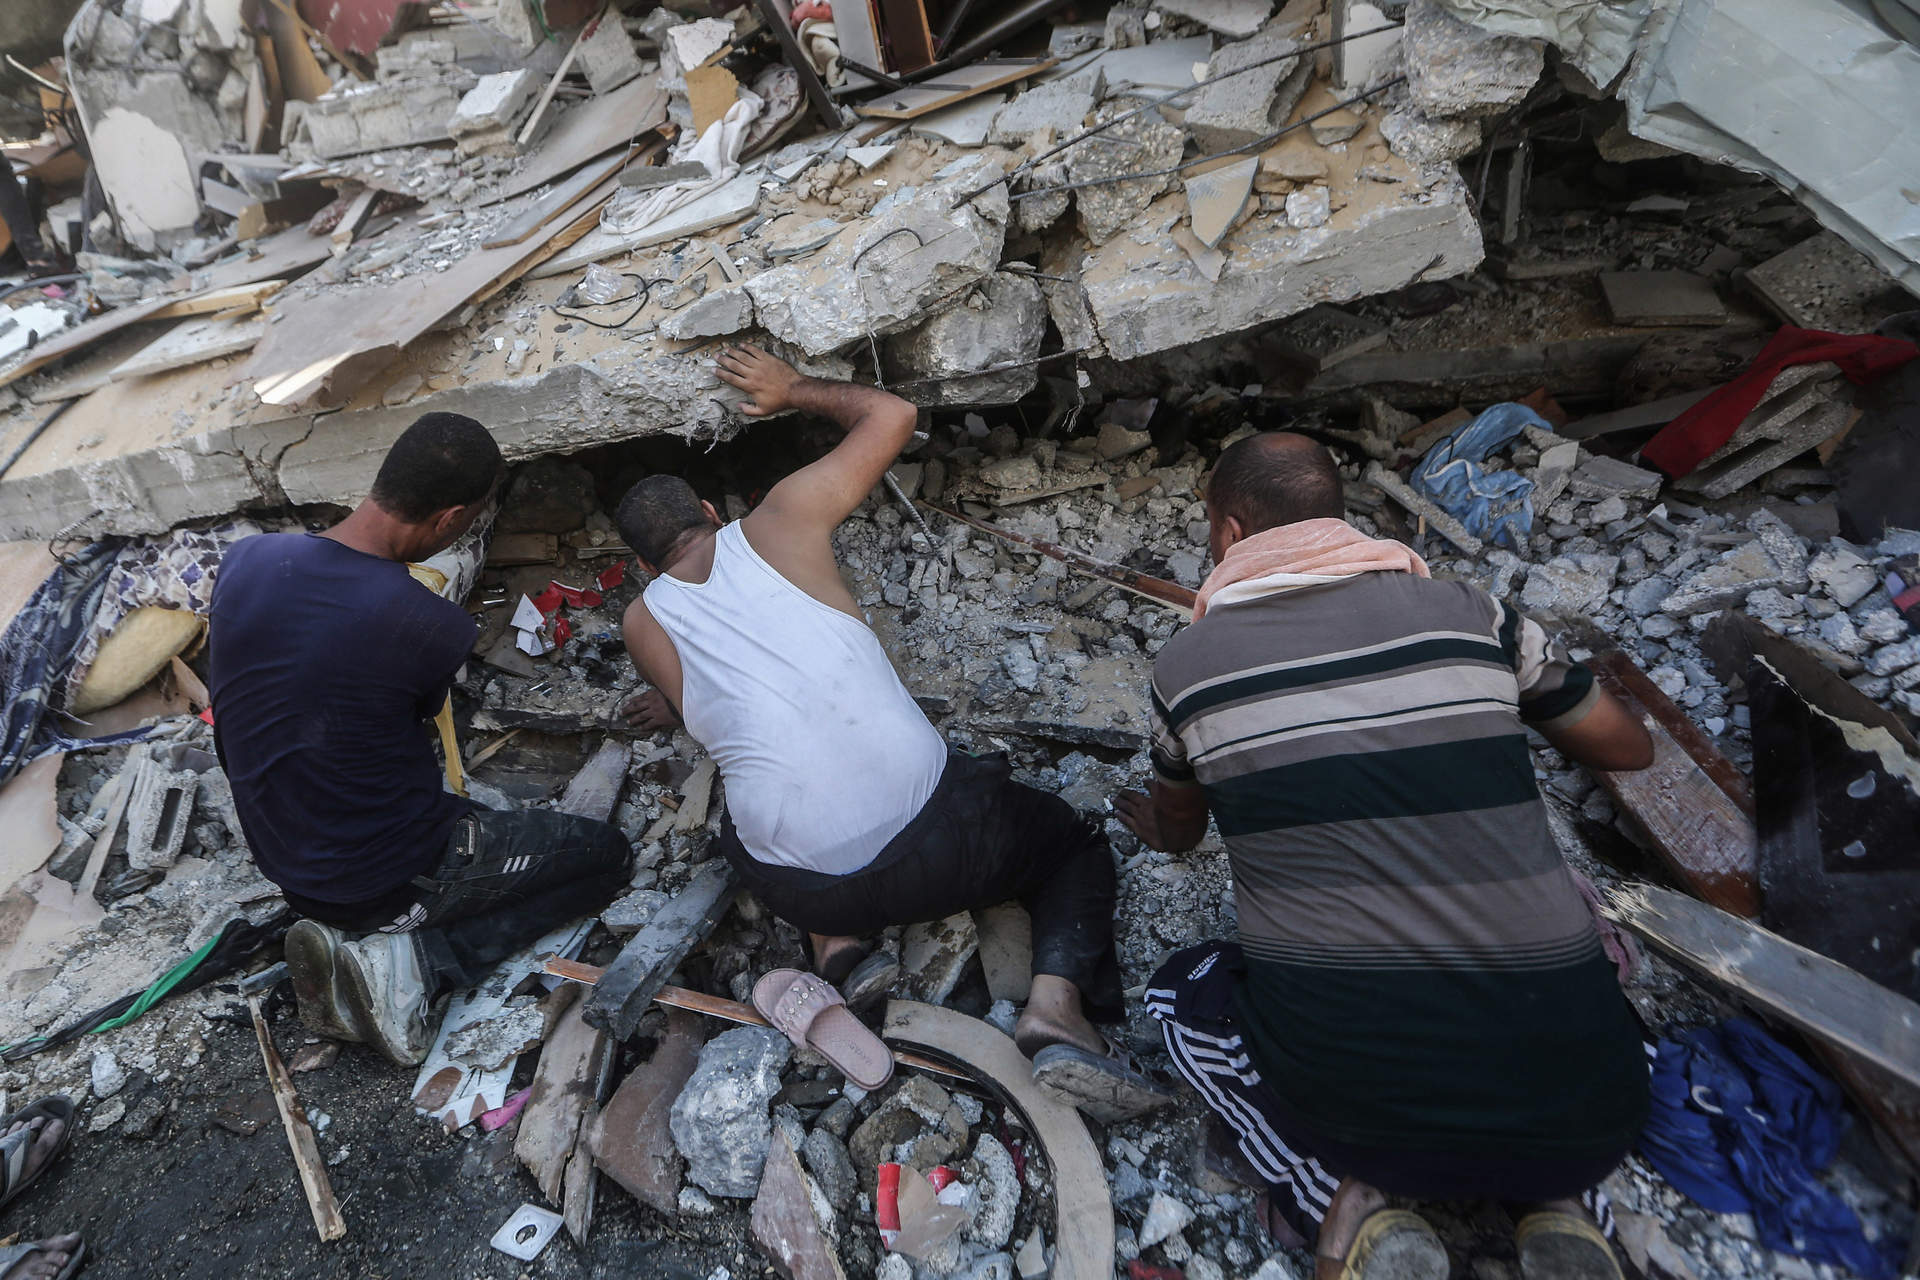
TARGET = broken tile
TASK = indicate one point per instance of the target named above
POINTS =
(630, 1139)
(1217, 198)
(788, 1223)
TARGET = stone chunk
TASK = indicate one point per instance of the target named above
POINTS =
(934, 955)
(1728, 581)
(1165, 1216)
(1843, 573)
(919, 1124)
(1420, 139)
(720, 1122)
(490, 110)
(1144, 143)
(832, 1168)
(1002, 323)
(108, 1076)
(1602, 477)
(1569, 584)
(714, 314)
(791, 1221)
(1309, 207)
(607, 55)
(1885, 661)
(1254, 103)
(1456, 69)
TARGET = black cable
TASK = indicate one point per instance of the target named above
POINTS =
(644, 293)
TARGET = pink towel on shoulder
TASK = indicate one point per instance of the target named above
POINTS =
(1323, 548)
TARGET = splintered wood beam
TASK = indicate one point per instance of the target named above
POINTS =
(1820, 997)
(1169, 595)
(327, 1219)
(1693, 804)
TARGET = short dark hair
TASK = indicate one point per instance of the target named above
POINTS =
(1276, 478)
(655, 513)
(443, 460)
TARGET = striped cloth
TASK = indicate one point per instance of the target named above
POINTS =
(1421, 972)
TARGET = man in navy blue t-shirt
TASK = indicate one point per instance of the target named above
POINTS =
(327, 661)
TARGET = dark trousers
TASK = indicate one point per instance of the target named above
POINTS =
(1192, 997)
(504, 880)
(980, 840)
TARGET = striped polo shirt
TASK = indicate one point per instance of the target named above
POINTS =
(1422, 973)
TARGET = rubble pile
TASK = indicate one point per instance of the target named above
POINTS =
(1422, 234)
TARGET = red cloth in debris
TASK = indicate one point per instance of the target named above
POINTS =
(1692, 437)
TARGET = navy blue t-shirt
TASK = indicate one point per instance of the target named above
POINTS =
(325, 663)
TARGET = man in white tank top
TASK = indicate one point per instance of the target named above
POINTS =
(846, 812)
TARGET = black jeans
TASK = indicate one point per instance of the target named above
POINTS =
(980, 840)
(504, 880)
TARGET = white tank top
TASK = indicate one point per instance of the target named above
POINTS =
(825, 754)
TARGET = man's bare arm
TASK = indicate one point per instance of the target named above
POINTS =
(1607, 737)
(878, 425)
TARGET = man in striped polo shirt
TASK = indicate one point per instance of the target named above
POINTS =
(1418, 1004)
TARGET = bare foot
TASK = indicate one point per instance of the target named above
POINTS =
(1053, 1016)
(46, 1142)
(1351, 1204)
(650, 712)
(49, 1262)
(835, 957)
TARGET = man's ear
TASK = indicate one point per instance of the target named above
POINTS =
(712, 514)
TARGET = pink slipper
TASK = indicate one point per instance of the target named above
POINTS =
(809, 1012)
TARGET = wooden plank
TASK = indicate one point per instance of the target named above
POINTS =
(1691, 802)
(908, 33)
(719, 1007)
(955, 86)
(191, 343)
(301, 76)
(1802, 988)
(332, 342)
(570, 1079)
(560, 73)
(210, 301)
(557, 201)
(1171, 595)
(1083, 1211)
(327, 1219)
(858, 37)
(84, 335)
(651, 955)
(591, 128)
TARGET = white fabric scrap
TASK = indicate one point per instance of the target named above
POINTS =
(718, 149)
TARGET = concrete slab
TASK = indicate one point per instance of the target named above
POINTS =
(1383, 236)
(1661, 298)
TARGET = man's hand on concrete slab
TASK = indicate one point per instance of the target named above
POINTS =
(650, 712)
(768, 379)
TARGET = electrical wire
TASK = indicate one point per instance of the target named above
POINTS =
(644, 293)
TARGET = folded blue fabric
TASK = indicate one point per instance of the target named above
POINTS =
(1496, 505)
(1741, 1125)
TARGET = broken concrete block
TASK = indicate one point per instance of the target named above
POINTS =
(919, 1124)
(1823, 283)
(145, 173)
(495, 104)
(158, 815)
(934, 955)
(1144, 143)
(1728, 581)
(791, 1222)
(1321, 337)
(1055, 110)
(1661, 298)
(631, 1139)
(1336, 127)
(1419, 139)
(606, 54)
(1001, 323)
(1603, 477)
(1456, 69)
(1386, 236)
(1805, 405)
(718, 313)
(1843, 574)
(632, 912)
(884, 274)
(827, 1160)
(1252, 104)
(692, 44)
(1126, 27)
(1569, 584)
(720, 1121)
(1235, 19)
(1364, 61)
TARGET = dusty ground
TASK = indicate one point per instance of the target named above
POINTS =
(197, 1199)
